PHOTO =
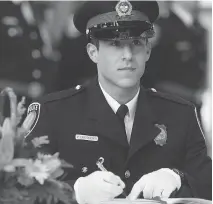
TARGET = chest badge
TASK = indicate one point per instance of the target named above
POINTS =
(162, 136)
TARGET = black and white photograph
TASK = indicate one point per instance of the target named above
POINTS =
(106, 102)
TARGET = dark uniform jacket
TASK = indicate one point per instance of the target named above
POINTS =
(21, 50)
(70, 116)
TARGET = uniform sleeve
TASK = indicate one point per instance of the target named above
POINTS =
(41, 126)
(198, 166)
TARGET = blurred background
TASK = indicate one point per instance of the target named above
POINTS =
(42, 52)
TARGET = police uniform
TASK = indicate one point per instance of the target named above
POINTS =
(83, 128)
(22, 60)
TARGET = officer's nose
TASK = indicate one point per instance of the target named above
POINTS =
(127, 52)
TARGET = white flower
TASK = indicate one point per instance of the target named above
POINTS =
(53, 165)
(51, 161)
(19, 162)
(39, 141)
(43, 167)
(38, 170)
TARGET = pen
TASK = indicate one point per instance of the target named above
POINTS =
(100, 165)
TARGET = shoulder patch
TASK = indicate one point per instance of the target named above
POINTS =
(169, 97)
(62, 94)
(31, 120)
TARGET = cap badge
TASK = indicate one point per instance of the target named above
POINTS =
(162, 136)
(123, 8)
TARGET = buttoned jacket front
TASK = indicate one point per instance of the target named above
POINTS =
(71, 117)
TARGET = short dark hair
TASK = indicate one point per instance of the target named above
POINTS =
(94, 41)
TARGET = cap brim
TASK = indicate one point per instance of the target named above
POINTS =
(122, 30)
(93, 8)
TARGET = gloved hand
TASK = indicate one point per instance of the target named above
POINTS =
(98, 186)
(158, 183)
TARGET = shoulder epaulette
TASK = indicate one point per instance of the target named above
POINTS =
(62, 94)
(169, 97)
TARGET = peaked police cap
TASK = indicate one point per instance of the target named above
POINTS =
(116, 19)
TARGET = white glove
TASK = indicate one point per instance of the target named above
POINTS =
(158, 183)
(98, 186)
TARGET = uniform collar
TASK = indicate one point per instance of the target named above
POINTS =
(115, 105)
(101, 118)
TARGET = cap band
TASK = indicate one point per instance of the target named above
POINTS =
(113, 17)
(121, 30)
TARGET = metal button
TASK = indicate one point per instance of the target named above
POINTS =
(33, 35)
(12, 32)
(78, 87)
(127, 174)
(36, 74)
(154, 90)
(36, 54)
(84, 169)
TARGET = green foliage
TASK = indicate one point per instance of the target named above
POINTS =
(50, 193)
(12, 195)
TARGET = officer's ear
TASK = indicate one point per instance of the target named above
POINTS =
(92, 51)
(148, 50)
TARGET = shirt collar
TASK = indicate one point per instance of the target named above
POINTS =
(115, 105)
(132, 105)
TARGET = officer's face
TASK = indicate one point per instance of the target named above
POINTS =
(121, 63)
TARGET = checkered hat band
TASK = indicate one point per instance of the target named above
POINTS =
(113, 17)
(122, 30)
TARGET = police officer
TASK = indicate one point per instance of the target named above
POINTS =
(23, 63)
(120, 137)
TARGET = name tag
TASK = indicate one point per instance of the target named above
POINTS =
(86, 137)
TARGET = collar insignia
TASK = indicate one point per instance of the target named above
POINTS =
(123, 8)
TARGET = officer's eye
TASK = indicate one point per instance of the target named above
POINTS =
(136, 42)
(116, 43)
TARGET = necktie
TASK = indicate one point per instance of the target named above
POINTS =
(121, 112)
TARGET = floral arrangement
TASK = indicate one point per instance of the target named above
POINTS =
(28, 176)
